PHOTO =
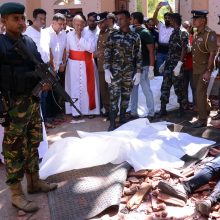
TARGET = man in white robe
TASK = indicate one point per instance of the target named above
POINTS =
(80, 80)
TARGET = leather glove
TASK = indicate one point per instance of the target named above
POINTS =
(161, 68)
(151, 73)
(108, 76)
(177, 69)
(137, 78)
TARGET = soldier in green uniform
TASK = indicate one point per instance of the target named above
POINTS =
(203, 51)
(24, 132)
(173, 71)
(102, 21)
(122, 58)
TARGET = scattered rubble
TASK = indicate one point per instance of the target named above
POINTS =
(141, 194)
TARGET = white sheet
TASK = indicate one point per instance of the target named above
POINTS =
(155, 85)
(143, 145)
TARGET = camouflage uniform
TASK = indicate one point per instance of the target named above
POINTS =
(22, 138)
(122, 57)
(24, 133)
(178, 40)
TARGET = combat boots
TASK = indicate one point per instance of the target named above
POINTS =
(122, 117)
(180, 112)
(19, 200)
(112, 117)
(36, 185)
(162, 112)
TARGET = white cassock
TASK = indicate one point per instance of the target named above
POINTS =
(79, 82)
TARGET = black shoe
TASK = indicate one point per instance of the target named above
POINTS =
(198, 124)
(161, 114)
(204, 207)
(150, 118)
(177, 191)
(112, 117)
(122, 117)
(180, 113)
(133, 117)
(112, 126)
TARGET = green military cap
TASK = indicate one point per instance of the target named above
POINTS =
(12, 8)
(199, 13)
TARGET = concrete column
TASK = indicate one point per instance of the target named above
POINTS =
(214, 11)
(200, 5)
(145, 7)
(132, 5)
(185, 9)
(31, 5)
(107, 5)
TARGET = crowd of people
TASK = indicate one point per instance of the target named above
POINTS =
(103, 58)
(99, 60)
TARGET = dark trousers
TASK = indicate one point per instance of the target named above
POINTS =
(201, 96)
(211, 170)
(168, 80)
(104, 91)
(188, 80)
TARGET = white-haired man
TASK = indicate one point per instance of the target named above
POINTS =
(80, 80)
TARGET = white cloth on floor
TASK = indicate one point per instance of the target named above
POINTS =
(155, 85)
(141, 144)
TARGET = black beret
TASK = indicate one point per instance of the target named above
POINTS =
(12, 8)
(101, 17)
(199, 13)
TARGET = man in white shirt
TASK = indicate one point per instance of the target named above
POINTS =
(34, 32)
(39, 22)
(54, 38)
(57, 42)
(92, 25)
(165, 31)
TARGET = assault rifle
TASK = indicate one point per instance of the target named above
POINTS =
(45, 73)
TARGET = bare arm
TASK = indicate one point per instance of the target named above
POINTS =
(52, 60)
(156, 14)
(171, 10)
(150, 48)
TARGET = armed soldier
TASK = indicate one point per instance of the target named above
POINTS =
(122, 59)
(24, 132)
(173, 71)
